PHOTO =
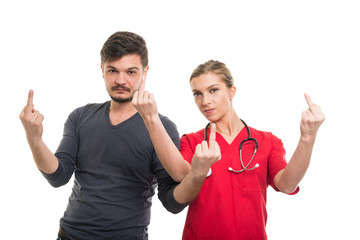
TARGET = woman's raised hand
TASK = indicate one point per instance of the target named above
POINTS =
(311, 120)
(206, 154)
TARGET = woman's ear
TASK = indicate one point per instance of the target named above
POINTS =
(232, 92)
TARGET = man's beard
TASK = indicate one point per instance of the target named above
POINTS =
(119, 99)
(122, 100)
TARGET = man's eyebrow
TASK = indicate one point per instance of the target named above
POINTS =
(131, 68)
(109, 66)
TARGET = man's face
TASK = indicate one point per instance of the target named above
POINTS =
(122, 77)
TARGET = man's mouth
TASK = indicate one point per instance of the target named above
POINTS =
(120, 89)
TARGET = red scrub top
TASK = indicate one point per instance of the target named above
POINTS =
(233, 205)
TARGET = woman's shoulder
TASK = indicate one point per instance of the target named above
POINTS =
(196, 135)
(260, 132)
(264, 136)
(193, 138)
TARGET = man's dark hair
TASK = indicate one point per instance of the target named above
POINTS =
(121, 44)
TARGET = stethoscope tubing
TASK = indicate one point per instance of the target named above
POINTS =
(249, 138)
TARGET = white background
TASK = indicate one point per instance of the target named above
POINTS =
(276, 50)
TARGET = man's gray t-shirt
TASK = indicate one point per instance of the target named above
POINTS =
(116, 171)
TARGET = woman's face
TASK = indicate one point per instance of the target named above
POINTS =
(212, 96)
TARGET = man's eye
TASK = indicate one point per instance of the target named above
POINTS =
(112, 71)
(131, 72)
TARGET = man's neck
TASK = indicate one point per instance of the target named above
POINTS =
(120, 112)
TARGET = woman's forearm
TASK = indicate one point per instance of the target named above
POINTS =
(189, 188)
(288, 179)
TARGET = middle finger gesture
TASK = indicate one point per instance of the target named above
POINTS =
(144, 102)
(206, 154)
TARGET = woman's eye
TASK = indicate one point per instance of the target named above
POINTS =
(213, 90)
(196, 94)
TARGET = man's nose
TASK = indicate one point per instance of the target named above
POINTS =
(120, 79)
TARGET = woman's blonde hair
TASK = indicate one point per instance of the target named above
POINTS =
(215, 67)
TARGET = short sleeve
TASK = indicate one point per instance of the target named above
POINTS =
(277, 162)
(187, 147)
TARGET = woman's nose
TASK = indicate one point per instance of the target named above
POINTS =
(205, 100)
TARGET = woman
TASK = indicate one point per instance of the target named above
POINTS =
(229, 195)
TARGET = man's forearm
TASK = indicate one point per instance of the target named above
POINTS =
(45, 160)
(166, 150)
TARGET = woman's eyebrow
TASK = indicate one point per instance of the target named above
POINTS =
(211, 86)
(214, 85)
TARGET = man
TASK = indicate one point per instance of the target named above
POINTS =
(108, 148)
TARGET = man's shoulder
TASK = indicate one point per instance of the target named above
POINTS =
(163, 117)
(94, 106)
(167, 122)
(88, 108)
(82, 113)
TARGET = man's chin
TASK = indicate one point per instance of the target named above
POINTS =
(121, 100)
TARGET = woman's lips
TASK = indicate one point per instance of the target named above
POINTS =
(209, 111)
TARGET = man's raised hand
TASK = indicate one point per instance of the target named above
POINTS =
(32, 120)
(144, 102)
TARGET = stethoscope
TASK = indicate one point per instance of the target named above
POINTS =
(248, 139)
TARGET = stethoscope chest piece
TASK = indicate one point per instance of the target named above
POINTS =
(209, 173)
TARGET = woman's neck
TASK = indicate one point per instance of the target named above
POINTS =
(229, 126)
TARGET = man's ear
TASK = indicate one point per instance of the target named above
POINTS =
(102, 70)
(146, 69)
